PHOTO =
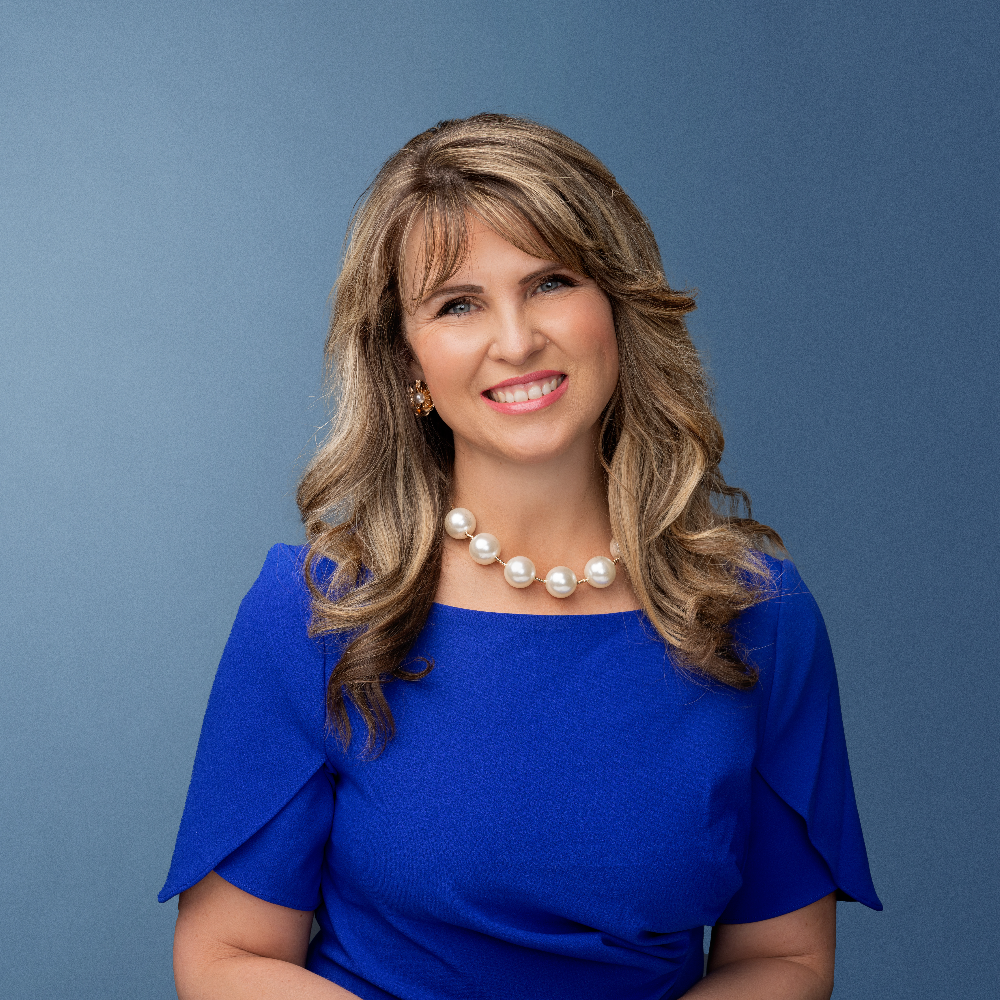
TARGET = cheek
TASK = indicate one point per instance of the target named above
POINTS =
(446, 365)
(425, 354)
(603, 343)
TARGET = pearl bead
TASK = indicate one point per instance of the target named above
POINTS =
(560, 581)
(484, 548)
(459, 521)
(519, 572)
(615, 551)
(600, 571)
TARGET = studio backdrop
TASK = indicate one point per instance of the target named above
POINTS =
(175, 184)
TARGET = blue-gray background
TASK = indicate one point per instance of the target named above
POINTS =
(176, 181)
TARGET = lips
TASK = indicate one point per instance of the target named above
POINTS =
(521, 379)
(522, 391)
(526, 393)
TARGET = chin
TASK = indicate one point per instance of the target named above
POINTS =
(538, 447)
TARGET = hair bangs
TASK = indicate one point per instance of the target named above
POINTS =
(534, 217)
(440, 216)
(537, 222)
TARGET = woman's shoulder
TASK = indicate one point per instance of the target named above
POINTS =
(791, 604)
(279, 596)
(784, 631)
(284, 564)
(271, 634)
(777, 577)
(780, 570)
(283, 580)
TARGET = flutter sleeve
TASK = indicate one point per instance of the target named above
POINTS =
(805, 836)
(260, 804)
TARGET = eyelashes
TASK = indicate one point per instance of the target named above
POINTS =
(562, 279)
(451, 307)
(446, 309)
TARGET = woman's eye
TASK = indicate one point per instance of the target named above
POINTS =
(553, 282)
(457, 307)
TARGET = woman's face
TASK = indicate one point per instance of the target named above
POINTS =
(519, 353)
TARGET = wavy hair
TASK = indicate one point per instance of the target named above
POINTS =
(374, 496)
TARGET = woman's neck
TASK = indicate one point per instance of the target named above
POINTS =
(542, 509)
(554, 512)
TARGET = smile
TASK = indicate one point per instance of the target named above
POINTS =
(527, 396)
(521, 392)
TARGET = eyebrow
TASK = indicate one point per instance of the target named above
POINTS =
(452, 289)
(478, 289)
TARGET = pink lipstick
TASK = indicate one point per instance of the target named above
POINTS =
(526, 393)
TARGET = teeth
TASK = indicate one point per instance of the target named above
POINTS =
(529, 390)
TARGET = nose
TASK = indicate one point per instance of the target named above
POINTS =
(515, 338)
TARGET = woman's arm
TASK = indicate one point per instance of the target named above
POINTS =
(230, 945)
(786, 958)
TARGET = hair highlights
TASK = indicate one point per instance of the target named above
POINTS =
(374, 497)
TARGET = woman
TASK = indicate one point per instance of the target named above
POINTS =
(584, 768)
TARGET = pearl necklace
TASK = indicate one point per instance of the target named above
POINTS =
(519, 571)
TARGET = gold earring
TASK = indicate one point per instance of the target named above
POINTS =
(420, 398)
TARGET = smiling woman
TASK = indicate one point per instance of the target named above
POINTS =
(583, 773)
(510, 315)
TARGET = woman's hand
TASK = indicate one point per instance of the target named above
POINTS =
(229, 945)
(787, 958)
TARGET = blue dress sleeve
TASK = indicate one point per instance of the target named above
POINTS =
(260, 804)
(805, 837)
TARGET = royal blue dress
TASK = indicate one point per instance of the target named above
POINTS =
(559, 815)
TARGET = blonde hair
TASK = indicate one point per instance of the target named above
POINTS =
(374, 497)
